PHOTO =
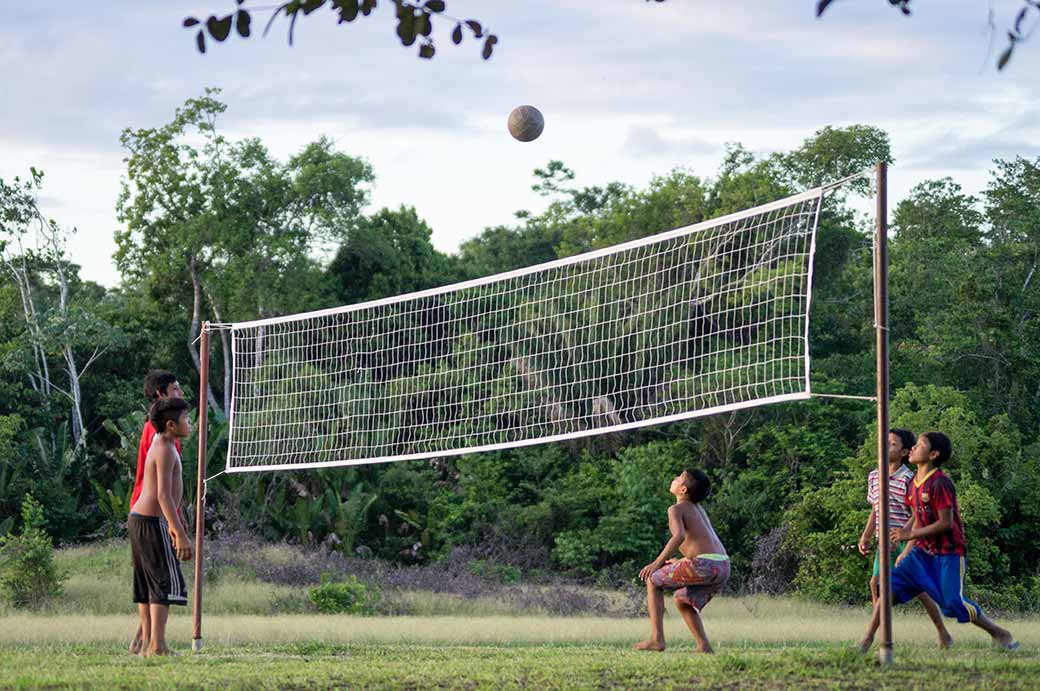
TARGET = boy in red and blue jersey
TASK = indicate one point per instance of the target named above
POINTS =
(933, 561)
(900, 486)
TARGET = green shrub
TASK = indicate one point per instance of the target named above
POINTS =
(496, 573)
(28, 575)
(344, 597)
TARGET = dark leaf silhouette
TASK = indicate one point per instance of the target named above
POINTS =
(348, 9)
(489, 44)
(821, 6)
(1005, 57)
(200, 41)
(1020, 18)
(414, 21)
(406, 28)
(423, 24)
(242, 22)
(219, 28)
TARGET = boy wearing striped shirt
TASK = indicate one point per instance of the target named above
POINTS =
(900, 481)
(934, 559)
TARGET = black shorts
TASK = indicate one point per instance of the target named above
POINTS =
(157, 575)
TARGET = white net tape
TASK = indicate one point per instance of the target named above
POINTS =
(694, 321)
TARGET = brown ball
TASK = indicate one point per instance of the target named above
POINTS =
(526, 123)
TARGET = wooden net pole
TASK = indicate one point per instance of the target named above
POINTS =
(881, 331)
(200, 487)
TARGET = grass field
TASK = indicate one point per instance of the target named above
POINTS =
(80, 641)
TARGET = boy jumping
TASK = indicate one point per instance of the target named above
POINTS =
(900, 482)
(698, 576)
(154, 519)
(933, 561)
(158, 384)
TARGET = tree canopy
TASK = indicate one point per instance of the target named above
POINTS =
(415, 21)
(221, 230)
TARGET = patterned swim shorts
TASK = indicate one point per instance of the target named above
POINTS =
(695, 581)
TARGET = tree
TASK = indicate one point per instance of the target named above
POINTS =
(62, 328)
(1022, 27)
(964, 292)
(388, 253)
(414, 22)
(226, 228)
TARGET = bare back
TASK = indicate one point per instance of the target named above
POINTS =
(148, 503)
(698, 535)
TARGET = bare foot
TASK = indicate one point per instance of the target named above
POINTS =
(706, 649)
(135, 646)
(1007, 641)
(945, 642)
(864, 646)
(649, 645)
(159, 651)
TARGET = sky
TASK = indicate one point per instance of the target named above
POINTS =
(628, 89)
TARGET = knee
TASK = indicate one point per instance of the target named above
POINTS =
(681, 603)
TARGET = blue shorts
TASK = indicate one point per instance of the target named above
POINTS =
(939, 575)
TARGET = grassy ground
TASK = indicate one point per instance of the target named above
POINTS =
(80, 641)
(314, 665)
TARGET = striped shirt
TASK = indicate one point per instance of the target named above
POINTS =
(899, 484)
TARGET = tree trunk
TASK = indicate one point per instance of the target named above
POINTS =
(193, 332)
(225, 351)
(42, 383)
(79, 437)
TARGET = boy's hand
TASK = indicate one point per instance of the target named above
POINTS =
(183, 549)
(648, 570)
(863, 545)
(181, 546)
(899, 535)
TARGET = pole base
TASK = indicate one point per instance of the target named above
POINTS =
(885, 656)
(196, 645)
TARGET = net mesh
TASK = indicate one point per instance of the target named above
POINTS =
(694, 321)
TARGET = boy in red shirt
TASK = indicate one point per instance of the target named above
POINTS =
(158, 385)
(933, 561)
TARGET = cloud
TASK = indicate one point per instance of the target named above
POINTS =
(628, 88)
(956, 152)
(646, 142)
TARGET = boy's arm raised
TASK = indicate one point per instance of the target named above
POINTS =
(678, 533)
(164, 468)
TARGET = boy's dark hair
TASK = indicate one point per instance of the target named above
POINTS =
(905, 436)
(156, 383)
(937, 441)
(697, 484)
(165, 410)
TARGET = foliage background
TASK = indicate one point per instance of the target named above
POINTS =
(221, 230)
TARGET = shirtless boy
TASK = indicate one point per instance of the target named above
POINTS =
(154, 520)
(158, 384)
(696, 577)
